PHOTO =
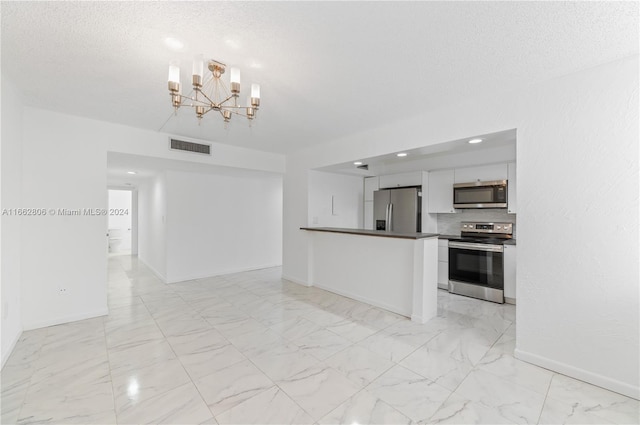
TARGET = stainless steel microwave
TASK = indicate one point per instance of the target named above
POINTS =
(490, 194)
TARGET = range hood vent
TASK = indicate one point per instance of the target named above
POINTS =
(181, 145)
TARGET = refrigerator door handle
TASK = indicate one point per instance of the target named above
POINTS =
(390, 225)
(386, 216)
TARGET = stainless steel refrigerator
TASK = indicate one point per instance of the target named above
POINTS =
(398, 210)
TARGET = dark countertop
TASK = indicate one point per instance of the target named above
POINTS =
(365, 232)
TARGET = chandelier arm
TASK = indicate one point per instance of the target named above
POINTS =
(226, 100)
(192, 99)
(207, 111)
(226, 91)
(237, 113)
(211, 102)
(188, 96)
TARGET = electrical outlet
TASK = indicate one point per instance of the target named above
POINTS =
(62, 291)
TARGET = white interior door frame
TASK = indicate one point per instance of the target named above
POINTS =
(134, 215)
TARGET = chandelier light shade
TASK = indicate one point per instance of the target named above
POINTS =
(210, 93)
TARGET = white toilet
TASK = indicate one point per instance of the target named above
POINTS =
(119, 240)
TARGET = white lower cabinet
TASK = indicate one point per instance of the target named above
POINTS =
(443, 264)
(510, 273)
(443, 275)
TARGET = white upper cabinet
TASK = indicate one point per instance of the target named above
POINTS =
(512, 198)
(482, 173)
(401, 180)
(370, 186)
(441, 191)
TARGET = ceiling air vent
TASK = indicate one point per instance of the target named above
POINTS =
(363, 167)
(181, 145)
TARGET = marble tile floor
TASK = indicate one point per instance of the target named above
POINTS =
(252, 348)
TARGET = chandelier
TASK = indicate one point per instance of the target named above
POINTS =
(210, 93)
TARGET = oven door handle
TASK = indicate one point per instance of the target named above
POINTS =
(476, 246)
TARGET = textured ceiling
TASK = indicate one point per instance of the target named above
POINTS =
(327, 69)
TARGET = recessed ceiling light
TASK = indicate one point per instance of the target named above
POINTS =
(357, 163)
(401, 154)
(474, 141)
(173, 43)
(131, 172)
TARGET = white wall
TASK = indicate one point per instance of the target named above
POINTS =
(11, 225)
(64, 166)
(136, 141)
(120, 200)
(152, 210)
(219, 224)
(578, 223)
(343, 193)
(295, 215)
(560, 279)
(64, 258)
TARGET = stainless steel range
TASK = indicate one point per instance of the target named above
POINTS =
(476, 262)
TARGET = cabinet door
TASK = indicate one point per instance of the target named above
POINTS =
(443, 252)
(510, 271)
(368, 215)
(401, 180)
(443, 275)
(512, 199)
(482, 173)
(441, 191)
(443, 264)
(370, 186)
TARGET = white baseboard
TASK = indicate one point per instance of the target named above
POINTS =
(216, 273)
(153, 270)
(581, 374)
(65, 319)
(6, 354)
(294, 280)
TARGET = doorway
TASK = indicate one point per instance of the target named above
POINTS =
(122, 222)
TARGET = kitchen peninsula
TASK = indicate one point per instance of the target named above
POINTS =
(391, 270)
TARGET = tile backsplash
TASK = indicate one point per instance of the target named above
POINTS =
(449, 224)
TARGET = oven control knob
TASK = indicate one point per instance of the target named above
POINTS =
(498, 227)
